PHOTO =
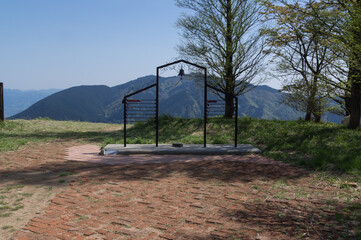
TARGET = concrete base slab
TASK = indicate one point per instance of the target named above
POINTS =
(90, 154)
(192, 149)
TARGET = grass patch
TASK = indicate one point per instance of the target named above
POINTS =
(6, 227)
(4, 207)
(64, 174)
(26, 194)
(351, 220)
(11, 187)
(188, 131)
(15, 133)
(4, 215)
(17, 207)
(83, 217)
(316, 146)
(320, 146)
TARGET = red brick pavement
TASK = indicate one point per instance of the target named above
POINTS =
(198, 199)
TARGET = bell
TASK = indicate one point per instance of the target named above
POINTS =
(181, 73)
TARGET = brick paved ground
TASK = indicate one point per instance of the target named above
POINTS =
(228, 198)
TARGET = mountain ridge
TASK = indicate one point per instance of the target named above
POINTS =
(100, 103)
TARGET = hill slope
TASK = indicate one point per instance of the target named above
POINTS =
(177, 98)
(83, 103)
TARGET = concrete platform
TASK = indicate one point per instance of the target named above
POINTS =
(189, 149)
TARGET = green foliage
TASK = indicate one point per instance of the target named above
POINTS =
(303, 55)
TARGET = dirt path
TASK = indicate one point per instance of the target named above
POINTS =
(226, 198)
(29, 178)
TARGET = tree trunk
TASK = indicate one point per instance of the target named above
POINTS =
(316, 105)
(229, 78)
(355, 66)
(229, 106)
(317, 117)
(347, 99)
(355, 104)
(310, 107)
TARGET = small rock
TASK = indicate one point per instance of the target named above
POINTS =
(259, 237)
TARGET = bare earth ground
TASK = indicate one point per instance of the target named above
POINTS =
(44, 196)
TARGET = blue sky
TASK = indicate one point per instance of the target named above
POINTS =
(64, 43)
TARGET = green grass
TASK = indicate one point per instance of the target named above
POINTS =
(353, 216)
(64, 174)
(312, 145)
(82, 217)
(14, 200)
(6, 227)
(317, 146)
(15, 133)
(4, 215)
(19, 186)
(178, 130)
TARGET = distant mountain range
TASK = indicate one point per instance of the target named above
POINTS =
(177, 98)
(16, 101)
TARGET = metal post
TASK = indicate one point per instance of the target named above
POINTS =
(125, 121)
(156, 109)
(2, 117)
(236, 125)
(205, 109)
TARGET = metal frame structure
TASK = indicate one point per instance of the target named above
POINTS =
(131, 105)
(205, 99)
(2, 116)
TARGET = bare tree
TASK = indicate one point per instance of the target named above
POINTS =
(222, 35)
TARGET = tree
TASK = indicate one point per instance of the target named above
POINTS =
(349, 37)
(301, 53)
(298, 96)
(353, 42)
(222, 35)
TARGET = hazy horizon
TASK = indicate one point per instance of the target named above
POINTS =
(45, 89)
